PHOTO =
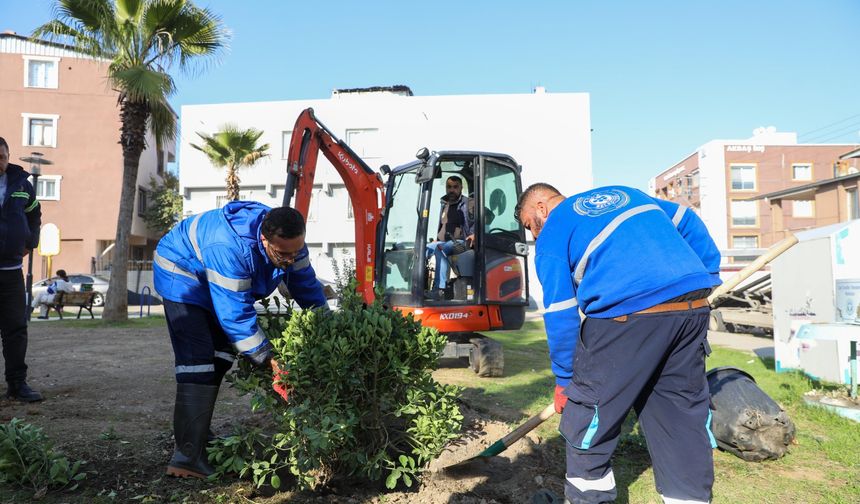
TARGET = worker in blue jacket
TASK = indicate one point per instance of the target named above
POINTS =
(636, 271)
(20, 220)
(210, 269)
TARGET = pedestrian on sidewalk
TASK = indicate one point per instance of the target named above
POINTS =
(625, 281)
(20, 222)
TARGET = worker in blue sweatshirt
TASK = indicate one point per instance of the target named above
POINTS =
(210, 269)
(636, 271)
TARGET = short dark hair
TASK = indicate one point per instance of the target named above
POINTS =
(529, 192)
(3, 143)
(62, 274)
(457, 179)
(283, 222)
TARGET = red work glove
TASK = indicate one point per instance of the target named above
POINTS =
(559, 398)
(279, 374)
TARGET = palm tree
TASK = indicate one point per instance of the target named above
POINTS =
(233, 148)
(140, 40)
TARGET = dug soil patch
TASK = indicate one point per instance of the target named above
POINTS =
(109, 400)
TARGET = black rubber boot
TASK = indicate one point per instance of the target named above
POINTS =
(20, 391)
(191, 417)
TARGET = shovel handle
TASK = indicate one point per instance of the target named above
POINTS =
(528, 425)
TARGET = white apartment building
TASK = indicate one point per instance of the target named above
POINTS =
(547, 133)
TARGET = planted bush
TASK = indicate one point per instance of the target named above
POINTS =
(362, 400)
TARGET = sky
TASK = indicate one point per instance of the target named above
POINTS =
(664, 77)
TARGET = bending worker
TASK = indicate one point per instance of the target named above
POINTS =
(210, 269)
(640, 270)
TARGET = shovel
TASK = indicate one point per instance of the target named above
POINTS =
(503, 444)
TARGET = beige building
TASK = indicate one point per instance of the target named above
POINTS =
(727, 181)
(58, 103)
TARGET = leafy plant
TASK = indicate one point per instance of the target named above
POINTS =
(362, 400)
(28, 459)
(166, 204)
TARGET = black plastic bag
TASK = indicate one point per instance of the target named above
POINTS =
(747, 422)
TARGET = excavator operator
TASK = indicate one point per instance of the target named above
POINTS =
(455, 232)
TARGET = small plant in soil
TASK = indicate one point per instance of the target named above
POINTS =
(27, 459)
(362, 402)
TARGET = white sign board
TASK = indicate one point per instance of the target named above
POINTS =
(49, 240)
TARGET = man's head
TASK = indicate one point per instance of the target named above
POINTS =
(4, 155)
(534, 206)
(283, 235)
(453, 188)
(62, 274)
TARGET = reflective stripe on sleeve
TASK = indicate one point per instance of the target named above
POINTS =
(170, 266)
(33, 205)
(233, 284)
(251, 342)
(603, 484)
(561, 305)
(225, 356)
(604, 234)
(202, 368)
(302, 263)
(679, 214)
(192, 235)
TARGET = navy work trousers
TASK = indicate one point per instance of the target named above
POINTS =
(654, 363)
(202, 352)
(13, 323)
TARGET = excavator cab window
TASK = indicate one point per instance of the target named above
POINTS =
(456, 259)
(503, 247)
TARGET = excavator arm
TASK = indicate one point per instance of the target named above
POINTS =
(364, 186)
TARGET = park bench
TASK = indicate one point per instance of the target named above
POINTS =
(83, 300)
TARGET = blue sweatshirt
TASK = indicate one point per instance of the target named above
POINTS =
(613, 251)
(216, 260)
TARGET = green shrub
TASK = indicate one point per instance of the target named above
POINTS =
(27, 459)
(362, 400)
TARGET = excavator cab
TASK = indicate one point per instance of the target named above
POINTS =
(398, 221)
(485, 277)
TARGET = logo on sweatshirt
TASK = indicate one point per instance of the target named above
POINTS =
(600, 202)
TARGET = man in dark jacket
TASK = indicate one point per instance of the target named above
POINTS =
(20, 220)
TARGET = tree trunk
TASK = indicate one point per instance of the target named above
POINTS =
(232, 182)
(133, 140)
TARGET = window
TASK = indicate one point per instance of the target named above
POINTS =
(142, 201)
(48, 188)
(40, 72)
(743, 177)
(221, 200)
(40, 130)
(745, 242)
(801, 171)
(744, 213)
(286, 136)
(364, 142)
(803, 208)
(853, 204)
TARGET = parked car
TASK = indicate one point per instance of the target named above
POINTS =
(100, 285)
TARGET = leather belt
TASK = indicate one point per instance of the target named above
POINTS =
(669, 307)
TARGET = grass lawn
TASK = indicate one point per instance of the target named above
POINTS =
(823, 467)
(85, 322)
